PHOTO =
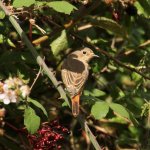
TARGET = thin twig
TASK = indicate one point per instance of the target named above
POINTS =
(13, 127)
(26, 147)
(37, 76)
(12, 139)
(98, 128)
(146, 43)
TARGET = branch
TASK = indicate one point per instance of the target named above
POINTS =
(47, 71)
(146, 43)
(111, 57)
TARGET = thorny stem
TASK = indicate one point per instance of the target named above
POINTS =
(42, 64)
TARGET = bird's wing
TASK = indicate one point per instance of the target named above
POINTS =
(74, 81)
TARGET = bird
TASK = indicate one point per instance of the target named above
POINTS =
(74, 73)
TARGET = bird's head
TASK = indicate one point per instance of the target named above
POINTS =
(86, 54)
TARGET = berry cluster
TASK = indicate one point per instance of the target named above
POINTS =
(49, 136)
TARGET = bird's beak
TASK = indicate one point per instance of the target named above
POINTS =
(95, 56)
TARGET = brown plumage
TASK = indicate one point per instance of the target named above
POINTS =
(75, 71)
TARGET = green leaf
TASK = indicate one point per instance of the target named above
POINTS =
(143, 7)
(2, 26)
(39, 3)
(1, 39)
(31, 120)
(119, 109)
(4, 39)
(64, 104)
(94, 92)
(26, 3)
(136, 77)
(37, 104)
(118, 119)
(97, 93)
(86, 92)
(10, 43)
(133, 119)
(2, 14)
(99, 110)
(60, 43)
(108, 24)
(62, 6)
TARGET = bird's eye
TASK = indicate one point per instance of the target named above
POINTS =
(84, 52)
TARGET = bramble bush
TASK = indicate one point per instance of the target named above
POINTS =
(35, 38)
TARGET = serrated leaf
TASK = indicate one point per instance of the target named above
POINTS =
(26, 3)
(99, 110)
(108, 24)
(31, 120)
(37, 104)
(2, 14)
(62, 6)
(119, 109)
(60, 43)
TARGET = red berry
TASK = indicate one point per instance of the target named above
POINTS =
(48, 136)
(59, 147)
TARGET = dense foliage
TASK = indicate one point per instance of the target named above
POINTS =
(115, 100)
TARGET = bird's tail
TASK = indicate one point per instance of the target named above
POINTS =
(75, 105)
